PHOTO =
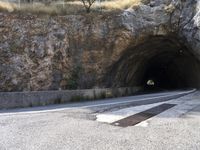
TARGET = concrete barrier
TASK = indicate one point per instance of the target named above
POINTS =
(42, 98)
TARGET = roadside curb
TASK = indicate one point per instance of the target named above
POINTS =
(151, 100)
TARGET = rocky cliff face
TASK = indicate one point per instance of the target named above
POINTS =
(81, 51)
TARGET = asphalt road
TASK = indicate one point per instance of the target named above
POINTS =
(88, 125)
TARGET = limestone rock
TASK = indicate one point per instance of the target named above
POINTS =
(51, 53)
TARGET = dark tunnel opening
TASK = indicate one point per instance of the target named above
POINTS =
(169, 70)
(160, 63)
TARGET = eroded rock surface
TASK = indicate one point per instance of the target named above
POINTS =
(78, 51)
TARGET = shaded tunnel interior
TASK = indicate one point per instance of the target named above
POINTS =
(159, 63)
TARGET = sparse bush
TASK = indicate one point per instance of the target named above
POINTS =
(69, 7)
(88, 4)
(72, 82)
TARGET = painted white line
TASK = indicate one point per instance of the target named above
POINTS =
(114, 116)
(143, 124)
(88, 106)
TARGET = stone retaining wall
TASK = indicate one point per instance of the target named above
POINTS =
(42, 98)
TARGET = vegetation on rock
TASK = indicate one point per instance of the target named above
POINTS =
(68, 7)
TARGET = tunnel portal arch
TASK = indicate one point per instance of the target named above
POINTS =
(165, 61)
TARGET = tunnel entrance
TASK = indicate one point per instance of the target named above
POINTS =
(169, 70)
(160, 63)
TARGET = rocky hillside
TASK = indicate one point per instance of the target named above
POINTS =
(82, 51)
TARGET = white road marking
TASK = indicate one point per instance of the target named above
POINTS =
(114, 116)
(110, 117)
(143, 124)
(22, 112)
(182, 107)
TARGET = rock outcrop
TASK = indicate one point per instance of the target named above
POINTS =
(79, 51)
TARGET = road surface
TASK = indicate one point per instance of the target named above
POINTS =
(146, 122)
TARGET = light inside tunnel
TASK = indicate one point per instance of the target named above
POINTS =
(159, 63)
(150, 83)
